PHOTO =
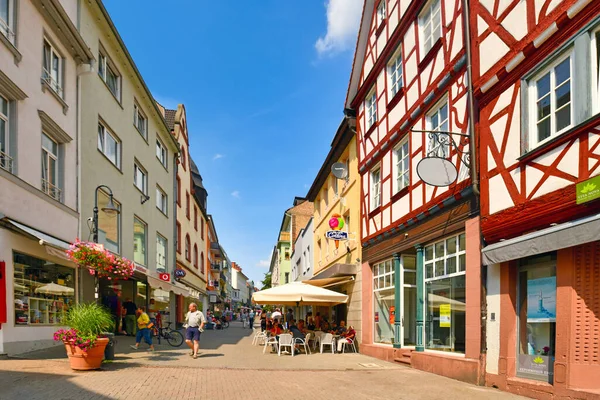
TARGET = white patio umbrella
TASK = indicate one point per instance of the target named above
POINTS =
(53, 288)
(298, 293)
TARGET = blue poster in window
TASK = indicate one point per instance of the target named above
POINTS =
(541, 300)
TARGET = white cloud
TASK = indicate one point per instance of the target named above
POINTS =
(236, 194)
(217, 156)
(264, 263)
(343, 20)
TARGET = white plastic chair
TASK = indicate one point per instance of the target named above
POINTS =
(270, 340)
(286, 340)
(259, 336)
(327, 340)
(317, 340)
(304, 342)
(348, 342)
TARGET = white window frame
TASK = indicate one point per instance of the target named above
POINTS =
(162, 200)
(105, 64)
(426, 18)
(145, 243)
(444, 257)
(140, 172)
(5, 159)
(140, 117)
(375, 186)
(434, 146)
(371, 109)
(399, 156)
(595, 55)
(532, 95)
(162, 153)
(395, 72)
(50, 187)
(102, 147)
(160, 239)
(381, 12)
(7, 27)
(53, 82)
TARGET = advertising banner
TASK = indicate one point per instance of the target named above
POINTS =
(445, 310)
(541, 300)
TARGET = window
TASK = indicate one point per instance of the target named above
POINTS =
(7, 20)
(287, 277)
(179, 191)
(161, 153)
(140, 178)
(183, 159)
(383, 301)
(402, 171)
(551, 92)
(109, 226)
(319, 250)
(381, 12)
(5, 159)
(187, 205)
(430, 25)
(325, 197)
(50, 167)
(347, 222)
(140, 121)
(395, 73)
(371, 109)
(202, 262)
(109, 145)
(195, 256)
(108, 72)
(52, 68)
(139, 241)
(445, 265)
(188, 254)
(161, 200)
(201, 228)
(375, 188)
(178, 244)
(437, 121)
(33, 308)
(161, 253)
(596, 68)
(195, 218)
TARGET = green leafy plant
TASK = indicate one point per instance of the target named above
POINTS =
(88, 322)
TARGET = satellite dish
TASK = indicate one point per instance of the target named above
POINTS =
(437, 171)
(339, 170)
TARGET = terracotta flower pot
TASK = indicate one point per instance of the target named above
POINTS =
(86, 360)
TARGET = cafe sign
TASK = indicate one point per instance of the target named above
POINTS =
(337, 235)
(588, 190)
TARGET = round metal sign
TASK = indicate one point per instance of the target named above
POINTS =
(437, 171)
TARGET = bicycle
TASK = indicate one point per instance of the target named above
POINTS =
(173, 337)
(223, 325)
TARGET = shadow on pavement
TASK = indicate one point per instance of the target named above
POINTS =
(211, 355)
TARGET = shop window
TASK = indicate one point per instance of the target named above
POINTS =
(383, 302)
(139, 241)
(445, 266)
(536, 316)
(140, 294)
(109, 226)
(43, 291)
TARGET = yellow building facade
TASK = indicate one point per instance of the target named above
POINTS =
(338, 267)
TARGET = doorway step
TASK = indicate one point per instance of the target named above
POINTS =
(403, 356)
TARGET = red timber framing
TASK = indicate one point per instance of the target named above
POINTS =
(525, 189)
(428, 80)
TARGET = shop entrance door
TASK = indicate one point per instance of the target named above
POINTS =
(536, 316)
(408, 296)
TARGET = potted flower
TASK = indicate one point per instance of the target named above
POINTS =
(100, 261)
(85, 340)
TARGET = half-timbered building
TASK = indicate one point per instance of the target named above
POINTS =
(536, 74)
(420, 244)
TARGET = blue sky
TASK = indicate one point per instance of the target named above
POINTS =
(264, 84)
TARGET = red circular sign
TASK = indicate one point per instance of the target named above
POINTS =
(164, 277)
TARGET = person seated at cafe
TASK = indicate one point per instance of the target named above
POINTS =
(295, 331)
(325, 326)
(341, 329)
(276, 329)
(302, 326)
(347, 337)
(310, 321)
(333, 327)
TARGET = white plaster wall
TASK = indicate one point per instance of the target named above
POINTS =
(304, 244)
(493, 327)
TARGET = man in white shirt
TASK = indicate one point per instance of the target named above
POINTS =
(277, 314)
(194, 324)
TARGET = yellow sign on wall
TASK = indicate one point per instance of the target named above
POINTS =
(445, 315)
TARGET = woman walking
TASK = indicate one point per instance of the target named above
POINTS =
(144, 325)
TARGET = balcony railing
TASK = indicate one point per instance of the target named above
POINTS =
(6, 162)
(6, 31)
(215, 246)
(223, 277)
(284, 236)
(51, 190)
(51, 82)
(215, 267)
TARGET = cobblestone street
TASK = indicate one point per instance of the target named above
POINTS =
(229, 367)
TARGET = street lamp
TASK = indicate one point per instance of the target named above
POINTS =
(109, 209)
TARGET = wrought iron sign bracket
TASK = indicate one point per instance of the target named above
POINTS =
(440, 139)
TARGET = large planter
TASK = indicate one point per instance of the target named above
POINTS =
(86, 360)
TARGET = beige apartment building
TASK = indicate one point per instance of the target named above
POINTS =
(126, 149)
(42, 58)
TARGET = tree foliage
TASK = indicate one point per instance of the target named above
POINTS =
(266, 282)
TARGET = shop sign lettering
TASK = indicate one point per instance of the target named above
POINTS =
(179, 273)
(337, 235)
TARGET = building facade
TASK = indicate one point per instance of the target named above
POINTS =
(538, 127)
(126, 152)
(337, 263)
(302, 258)
(421, 261)
(215, 259)
(240, 290)
(42, 60)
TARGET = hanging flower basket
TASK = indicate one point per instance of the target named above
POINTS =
(100, 261)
